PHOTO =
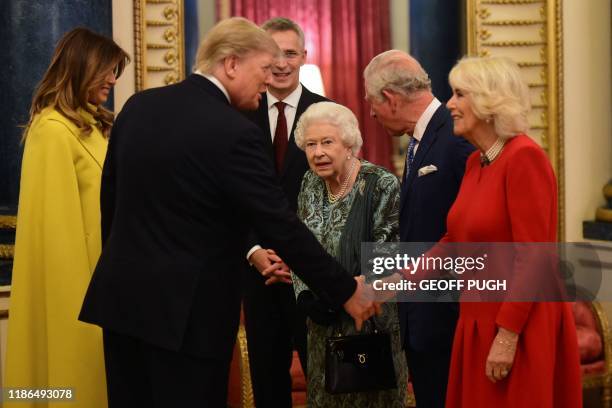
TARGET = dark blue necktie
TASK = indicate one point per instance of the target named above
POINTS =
(410, 156)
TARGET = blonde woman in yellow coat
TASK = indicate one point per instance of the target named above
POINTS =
(58, 238)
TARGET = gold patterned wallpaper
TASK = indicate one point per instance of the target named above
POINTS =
(529, 32)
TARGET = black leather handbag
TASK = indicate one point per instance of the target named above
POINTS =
(359, 363)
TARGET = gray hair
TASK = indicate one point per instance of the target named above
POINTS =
(233, 36)
(284, 24)
(496, 90)
(395, 71)
(334, 114)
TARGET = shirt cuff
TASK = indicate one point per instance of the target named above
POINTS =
(248, 255)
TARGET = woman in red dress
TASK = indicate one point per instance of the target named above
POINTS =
(506, 354)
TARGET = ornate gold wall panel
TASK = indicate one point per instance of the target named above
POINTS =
(159, 42)
(7, 222)
(529, 32)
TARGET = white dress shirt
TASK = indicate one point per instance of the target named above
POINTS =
(292, 101)
(421, 125)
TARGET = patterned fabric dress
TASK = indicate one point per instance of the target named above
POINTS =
(326, 221)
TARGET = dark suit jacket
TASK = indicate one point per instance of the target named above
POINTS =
(424, 204)
(186, 176)
(295, 164)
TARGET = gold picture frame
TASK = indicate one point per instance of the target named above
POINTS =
(159, 43)
(530, 32)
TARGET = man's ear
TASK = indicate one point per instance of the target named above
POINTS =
(230, 65)
(392, 98)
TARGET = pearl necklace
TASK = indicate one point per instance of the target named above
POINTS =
(331, 197)
(487, 157)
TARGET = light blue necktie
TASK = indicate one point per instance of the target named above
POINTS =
(410, 156)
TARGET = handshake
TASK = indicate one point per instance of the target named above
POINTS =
(360, 306)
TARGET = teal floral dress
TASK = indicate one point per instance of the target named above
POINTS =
(326, 221)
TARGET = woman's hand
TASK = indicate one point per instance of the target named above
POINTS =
(501, 355)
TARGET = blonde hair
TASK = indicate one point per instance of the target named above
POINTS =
(396, 71)
(334, 114)
(496, 90)
(233, 36)
(80, 63)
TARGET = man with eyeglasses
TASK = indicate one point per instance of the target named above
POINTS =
(269, 303)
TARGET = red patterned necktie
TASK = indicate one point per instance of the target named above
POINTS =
(280, 137)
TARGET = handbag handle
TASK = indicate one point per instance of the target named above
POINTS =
(371, 321)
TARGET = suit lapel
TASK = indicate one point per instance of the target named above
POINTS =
(428, 139)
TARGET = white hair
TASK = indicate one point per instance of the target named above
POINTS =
(333, 114)
(395, 71)
(496, 90)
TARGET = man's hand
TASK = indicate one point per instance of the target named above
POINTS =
(271, 266)
(260, 260)
(360, 306)
(501, 355)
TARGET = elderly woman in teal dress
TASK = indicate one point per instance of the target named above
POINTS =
(344, 201)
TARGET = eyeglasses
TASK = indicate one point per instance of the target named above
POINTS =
(291, 54)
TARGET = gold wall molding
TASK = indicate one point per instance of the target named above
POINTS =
(159, 69)
(513, 22)
(154, 23)
(512, 43)
(247, 398)
(511, 1)
(530, 32)
(159, 42)
(8, 221)
(159, 46)
(7, 251)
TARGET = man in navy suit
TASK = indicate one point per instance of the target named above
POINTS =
(399, 92)
(185, 178)
(274, 326)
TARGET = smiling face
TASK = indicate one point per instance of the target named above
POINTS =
(99, 94)
(325, 151)
(465, 121)
(286, 68)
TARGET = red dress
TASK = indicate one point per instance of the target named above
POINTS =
(514, 199)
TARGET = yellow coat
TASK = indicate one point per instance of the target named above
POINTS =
(57, 246)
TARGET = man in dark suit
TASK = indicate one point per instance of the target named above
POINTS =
(186, 177)
(273, 324)
(399, 91)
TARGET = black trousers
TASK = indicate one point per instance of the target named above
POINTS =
(139, 374)
(429, 375)
(274, 329)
